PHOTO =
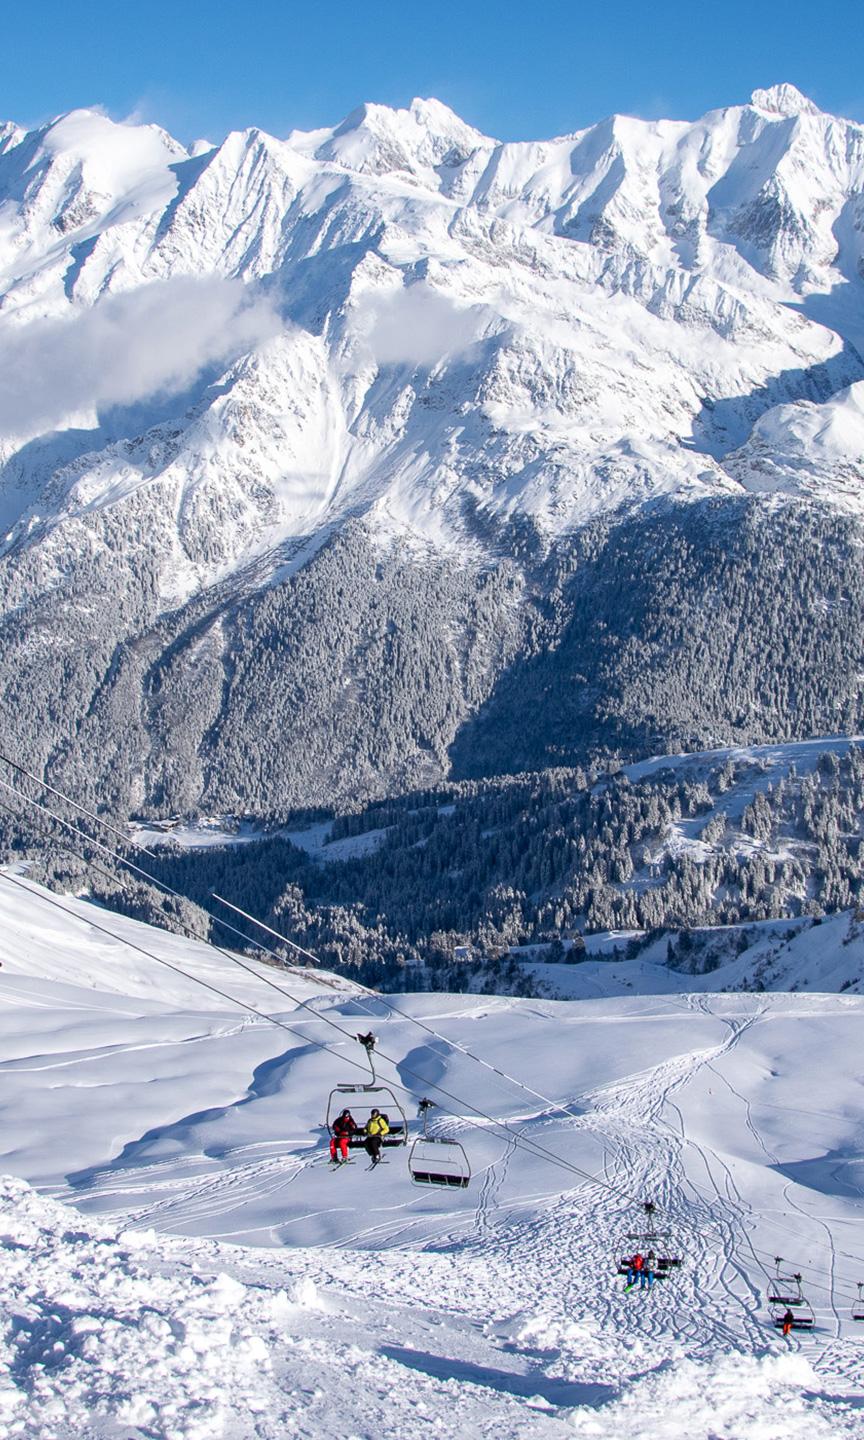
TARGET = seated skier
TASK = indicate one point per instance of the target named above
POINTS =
(787, 1322)
(637, 1265)
(646, 1278)
(376, 1128)
(342, 1129)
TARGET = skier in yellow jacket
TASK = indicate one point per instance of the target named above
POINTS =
(376, 1128)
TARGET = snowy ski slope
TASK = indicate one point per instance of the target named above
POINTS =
(219, 1279)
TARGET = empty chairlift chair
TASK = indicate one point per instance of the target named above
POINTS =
(361, 1100)
(786, 1300)
(436, 1159)
(858, 1305)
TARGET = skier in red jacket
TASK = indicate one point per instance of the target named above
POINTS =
(637, 1265)
(341, 1131)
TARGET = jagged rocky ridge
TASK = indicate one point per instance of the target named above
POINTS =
(335, 465)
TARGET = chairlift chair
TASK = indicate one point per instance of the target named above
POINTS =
(667, 1256)
(375, 1097)
(785, 1288)
(436, 1159)
(786, 1298)
(858, 1305)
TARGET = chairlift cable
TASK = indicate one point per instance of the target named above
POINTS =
(555, 1105)
(532, 1146)
(517, 1138)
(153, 879)
(365, 989)
(92, 815)
(160, 960)
(536, 1148)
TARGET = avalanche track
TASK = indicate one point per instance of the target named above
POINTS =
(215, 1277)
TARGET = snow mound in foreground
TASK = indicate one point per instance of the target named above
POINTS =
(760, 1397)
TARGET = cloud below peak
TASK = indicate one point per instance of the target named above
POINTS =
(417, 326)
(154, 340)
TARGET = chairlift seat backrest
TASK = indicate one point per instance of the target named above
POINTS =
(375, 1097)
(802, 1318)
(439, 1161)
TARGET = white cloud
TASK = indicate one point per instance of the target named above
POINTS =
(417, 326)
(150, 341)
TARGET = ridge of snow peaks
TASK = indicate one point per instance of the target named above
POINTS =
(632, 298)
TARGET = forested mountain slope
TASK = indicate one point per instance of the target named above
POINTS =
(730, 861)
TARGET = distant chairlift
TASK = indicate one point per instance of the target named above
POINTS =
(858, 1306)
(374, 1097)
(436, 1159)
(785, 1297)
(649, 1241)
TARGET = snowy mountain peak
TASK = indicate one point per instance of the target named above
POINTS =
(91, 134)
(784, 99)
(10, 135)
(379, 140)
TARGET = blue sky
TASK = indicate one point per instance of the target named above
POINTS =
(516, 70)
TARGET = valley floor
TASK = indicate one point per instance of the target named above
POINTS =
(214, 1278)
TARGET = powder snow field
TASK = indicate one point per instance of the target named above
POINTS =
(188, 1266)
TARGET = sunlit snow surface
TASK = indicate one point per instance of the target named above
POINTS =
(349, 1304)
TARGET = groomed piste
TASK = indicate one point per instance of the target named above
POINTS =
(188, 1264)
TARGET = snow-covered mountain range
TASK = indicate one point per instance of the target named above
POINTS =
(283, 419)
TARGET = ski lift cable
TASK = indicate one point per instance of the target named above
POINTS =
(555, 1105)
(518, 1138)
(540, 1152)
(131, 842)
(160, 960)
(82, 809)
(153, 879)
(301, 950)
